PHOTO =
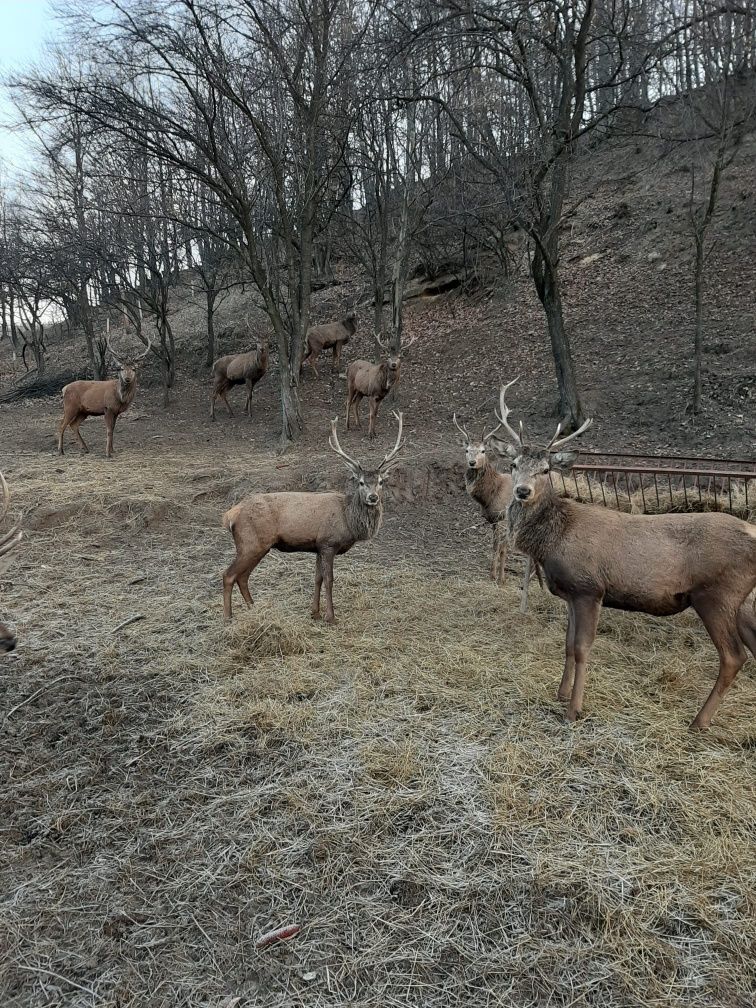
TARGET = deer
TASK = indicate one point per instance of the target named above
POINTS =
(326, 524)
(329, 336)
(238, 369)
(9, 542)
(592, 556)
(492, 491)
(108, 399)
(373, 381)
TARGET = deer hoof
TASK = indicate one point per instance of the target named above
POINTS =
(331, 620)
(697, 726)
(571, 715)
(315, 614)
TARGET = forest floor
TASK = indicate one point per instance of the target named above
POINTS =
(400, 786)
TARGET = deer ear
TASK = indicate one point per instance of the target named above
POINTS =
(563, 461)
(503, 448)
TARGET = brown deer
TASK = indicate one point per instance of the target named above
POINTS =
(373, 381)
(9, 540)
(238, 369)
(492, 491)
(657, 564)
(327, 524)
(108, 399)
(329, 336)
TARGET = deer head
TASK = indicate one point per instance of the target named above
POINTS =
(126, 371)
(531, 466)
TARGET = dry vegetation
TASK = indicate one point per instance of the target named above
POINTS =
(401, 786)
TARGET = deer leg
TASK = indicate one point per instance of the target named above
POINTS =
(315, 608)
(723, 628)
(75, 425)
(109, 425)
(373, 413)
(238, 573)
(565, 686)
(336, 357)
(501, 548)
(313, 365)
(224, 397)
(61, 431)
(747, 626)
(248, 403)
(327, 568)
(585, 614)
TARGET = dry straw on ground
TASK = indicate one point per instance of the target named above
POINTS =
(402, 786)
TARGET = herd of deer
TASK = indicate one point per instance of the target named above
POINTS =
(589, 556)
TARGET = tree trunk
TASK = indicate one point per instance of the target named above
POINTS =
(698, 339)
(210, 296)
(546, 279)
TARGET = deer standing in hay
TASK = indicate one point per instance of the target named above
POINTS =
(238, 369)
(329, 336)
(492, 491)
(657, 564)
(108, 399)
(9, 540)
(372, 381)
(327, 524)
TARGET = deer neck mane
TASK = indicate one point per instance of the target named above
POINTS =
(537, 529)
(364, 522)
(125, 390)
(482, 484)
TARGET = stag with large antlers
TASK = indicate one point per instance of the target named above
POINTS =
(108, 399)
(373, 381)
(329, 336)
(327, 524)
(657, 564)
(9, 540)
(492, 491)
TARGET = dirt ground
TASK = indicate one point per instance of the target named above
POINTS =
(400, 786)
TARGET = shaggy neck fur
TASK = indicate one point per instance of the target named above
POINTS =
(363, 521)
(483, 485)
(537, 529)
(125, 390)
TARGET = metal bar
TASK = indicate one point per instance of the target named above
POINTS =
(656, 487)
(677, 458)
(665, 470)
(643, 496)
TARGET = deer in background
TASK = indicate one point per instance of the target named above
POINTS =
(492, 491)
(329, 336)
(327, 524)
(9, 541)
(238, 369)
(657, 564)
(372, 381)
(108, 399)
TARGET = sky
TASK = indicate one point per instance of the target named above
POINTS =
(24, 26)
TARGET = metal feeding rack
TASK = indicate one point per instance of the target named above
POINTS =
(656, 484)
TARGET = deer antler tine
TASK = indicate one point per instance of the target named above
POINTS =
(333, 442)
(390, 456)
(461, 430)
(554, 444)
(503, 413)
(147, 350)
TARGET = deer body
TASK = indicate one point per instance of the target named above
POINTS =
(492, 491)
(238, 369)
(329, 336)
(327, 524)
(371, 381)
(9, 541)
(655, 564)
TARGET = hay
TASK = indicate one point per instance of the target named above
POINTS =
(402, 786)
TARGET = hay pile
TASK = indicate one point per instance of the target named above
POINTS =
(401, 786)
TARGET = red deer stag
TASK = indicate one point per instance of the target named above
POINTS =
(657, 564)
(492, 491)
(108, 399)
(373, 381)
(8, 542)
(327, 524)
(329, 336)
(238, 369)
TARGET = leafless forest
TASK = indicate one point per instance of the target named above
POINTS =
(236, 221)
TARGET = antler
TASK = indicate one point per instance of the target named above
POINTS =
(406, 346)
(461, 430)
(9, 540)
(143, 355)
(554, 444)
(333, 442)
(384, 346)
(502, 415)
(388, 459)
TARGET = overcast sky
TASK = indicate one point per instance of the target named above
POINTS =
(24, 25)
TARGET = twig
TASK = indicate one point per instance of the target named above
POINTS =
(36, 692)
(127, 622)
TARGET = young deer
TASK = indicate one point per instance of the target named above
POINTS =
(327, 524)
(373, 381)
(492, 491)
(9, 540)
(238, 369)
(656, 564)
(329, 336)
(108, 399)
